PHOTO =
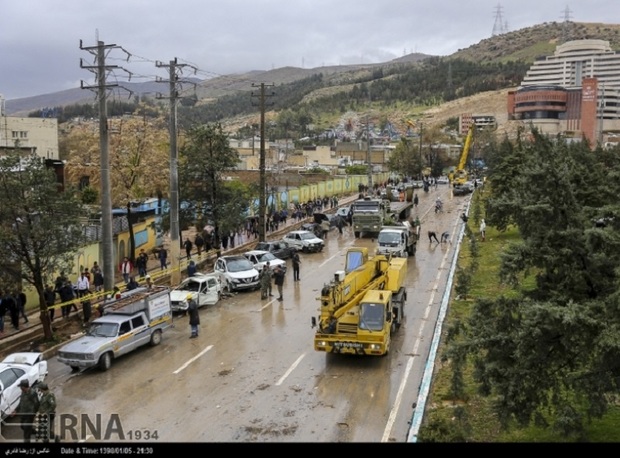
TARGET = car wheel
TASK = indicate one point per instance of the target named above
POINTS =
(357, 234)
(228, 287)
(156, 337)
(105, 361)
(75, 368)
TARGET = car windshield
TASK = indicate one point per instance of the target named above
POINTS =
(262, 246)
(267, 257)
(103, 330)
(239, 265)
(307, 236)
(388, 237)
(190, 286)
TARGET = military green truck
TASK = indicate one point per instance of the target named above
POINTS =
(369, 215)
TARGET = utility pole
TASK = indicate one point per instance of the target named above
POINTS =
(369, 157)
(420, 151)
(175, 229)
(262, 205)
(101, 87)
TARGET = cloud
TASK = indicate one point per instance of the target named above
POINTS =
(41, 39)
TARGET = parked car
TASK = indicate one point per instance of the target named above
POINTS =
(345, 213)
(279, 248)
(443, 180)
(205, 289)
(304, 241)
(236, 273)
(260, 258)
(13, 369)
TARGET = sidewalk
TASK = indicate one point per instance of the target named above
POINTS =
(157, 275)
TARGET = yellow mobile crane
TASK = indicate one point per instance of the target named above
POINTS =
(362, 306)
(460, 175)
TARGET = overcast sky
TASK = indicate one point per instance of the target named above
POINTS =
(40, 39)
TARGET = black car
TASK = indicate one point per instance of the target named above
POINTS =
(279, 248)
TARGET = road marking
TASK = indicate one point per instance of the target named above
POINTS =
(267, 305)
(291, 369)
(414, 352)
(193, 359)
(401, 390)
(326, 261)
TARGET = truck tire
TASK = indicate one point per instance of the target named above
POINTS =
(357, 234)
(156, 337)
(105, 361)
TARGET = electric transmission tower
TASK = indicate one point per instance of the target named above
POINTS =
(500, 26)
(566, 25)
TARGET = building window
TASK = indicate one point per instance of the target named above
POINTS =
(19, 134)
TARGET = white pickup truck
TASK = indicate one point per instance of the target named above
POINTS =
(132, 319)
(398, 240)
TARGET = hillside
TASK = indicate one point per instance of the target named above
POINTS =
(340, 85)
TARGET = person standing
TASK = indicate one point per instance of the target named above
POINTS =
(194, 316)
(97, 278)
(126, 268)
(11, 306)
(21, 303)
(483, 230)
(83, 285)
(50, 300)
(27, 408)
(3, 311)
(66, 296)
(163, 258)
(265, 282)
(296, 263)
(141, 263)
(188, 248)
(47, 412)
(199, 242)
(278, 279)
(324, 228)
(415, 201)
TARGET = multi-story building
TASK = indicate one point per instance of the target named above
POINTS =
(575, 91)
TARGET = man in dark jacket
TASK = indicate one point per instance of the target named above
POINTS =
(278, 280)
(194, 317)
(27, 408)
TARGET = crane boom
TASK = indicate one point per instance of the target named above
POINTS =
(461, 173)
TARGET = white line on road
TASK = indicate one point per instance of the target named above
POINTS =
(291, 369)
(326, 261)
(193, 359)
(267, 305)
(414, 353)
(399, 394)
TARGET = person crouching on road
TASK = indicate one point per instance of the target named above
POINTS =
(194, 317)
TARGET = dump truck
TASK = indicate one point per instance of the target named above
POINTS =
(370, 215)
(130, 320)
(398, 240)
(362, 306)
